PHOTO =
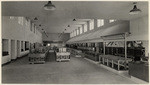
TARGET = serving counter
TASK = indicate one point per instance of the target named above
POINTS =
(37, 58)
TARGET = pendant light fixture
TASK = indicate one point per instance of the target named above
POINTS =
(35, 18)
(74, 19)
(135, 10)
(68, 25)
(49, 6)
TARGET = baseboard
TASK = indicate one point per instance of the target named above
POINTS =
(95, 62)
(13, 60)
(22, 56)
(6, 63)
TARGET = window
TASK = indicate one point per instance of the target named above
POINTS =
(26, 21)
(26, 45)
(5, 47)
(81, 30)
(11, 17)
(112, 20)
(85, 27)
(34, 28)
(31, 24)
(100, 22)
(75, 34)
(70, 34)
(22, 46)
(91, 23)
(77, 31)
(20, 20)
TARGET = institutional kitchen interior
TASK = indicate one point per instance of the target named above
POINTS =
(75, 42)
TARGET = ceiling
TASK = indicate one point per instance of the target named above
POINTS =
(58, 20)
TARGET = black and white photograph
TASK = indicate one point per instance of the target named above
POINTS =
(74, 42)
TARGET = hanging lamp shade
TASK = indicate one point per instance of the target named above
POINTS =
(68, 25)
(35, 18)
(135, 10)
(49, 6)
(74, 19)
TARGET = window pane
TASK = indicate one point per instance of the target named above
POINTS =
(112, 20)
(85, 27)
(12, 17)
(100, 22)
(81, 30)
(20, 20)
(77, 32)
(71, 35)
(74, 33)
(91, 24)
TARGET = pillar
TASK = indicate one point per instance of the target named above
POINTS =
(82, 28)
(79, 30)
(95, 24)
(88, 25)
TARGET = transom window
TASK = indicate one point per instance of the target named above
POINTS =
(112, 20)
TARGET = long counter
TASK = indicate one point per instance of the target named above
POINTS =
(114, 60)
(37, 57)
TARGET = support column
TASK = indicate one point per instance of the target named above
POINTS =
(88, 25)
(106, 21)
(104, 44)
(15, 49)
(95, 23)
(9, 49)
(79, 30)
(70, 34)
(125, 45)
(76, 32)
(82, 28)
